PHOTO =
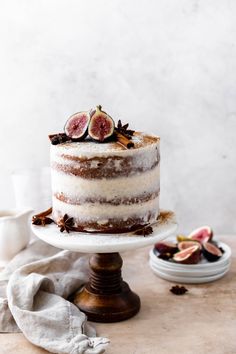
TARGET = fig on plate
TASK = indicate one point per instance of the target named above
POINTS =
(201, 234)
(186, 244)
(166, 247)
(189, 255)
(211, 252)
(76, 126)
(101, 126)
(165, 256)
(215, 243)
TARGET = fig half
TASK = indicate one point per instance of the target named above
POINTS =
(189, 255)
(76, 126)
(101, 125)
(201, 234)
(186, 244)
(166, 247)
(211, 252)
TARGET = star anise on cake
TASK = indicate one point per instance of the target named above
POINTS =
(42, 219)
(144, 231)
(66, 224)
(178, 290)
(123, 129)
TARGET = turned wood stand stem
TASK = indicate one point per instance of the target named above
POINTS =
(106, 297)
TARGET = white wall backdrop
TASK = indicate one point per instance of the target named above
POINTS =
(166, 66)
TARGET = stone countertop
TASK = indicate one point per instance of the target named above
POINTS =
(202, 321)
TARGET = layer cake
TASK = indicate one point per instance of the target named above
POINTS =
(104, 186)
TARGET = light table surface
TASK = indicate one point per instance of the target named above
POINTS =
(203, 321)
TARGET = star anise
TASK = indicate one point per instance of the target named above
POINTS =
(66, 224)
(59, 138)
(123, 129)
(42, 219)
(144, 231)
(178, 290)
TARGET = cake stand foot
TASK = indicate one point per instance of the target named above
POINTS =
(106, 297)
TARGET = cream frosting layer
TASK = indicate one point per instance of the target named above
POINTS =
(75, 186)
(145, 156)
(101, 212)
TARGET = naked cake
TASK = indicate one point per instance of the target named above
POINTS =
(103, 185)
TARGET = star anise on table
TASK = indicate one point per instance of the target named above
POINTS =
(178, 290)
(144, 231)
(42, 219)
(66, 224)
(123, 129)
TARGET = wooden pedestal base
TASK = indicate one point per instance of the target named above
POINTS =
(107, 298)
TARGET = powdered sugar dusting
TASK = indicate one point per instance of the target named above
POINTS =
(88, 148)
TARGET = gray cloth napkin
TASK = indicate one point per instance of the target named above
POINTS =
(33, 292)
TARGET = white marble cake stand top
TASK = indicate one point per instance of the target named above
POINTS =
(103, 243)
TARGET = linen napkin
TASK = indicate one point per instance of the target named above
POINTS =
(33, 300)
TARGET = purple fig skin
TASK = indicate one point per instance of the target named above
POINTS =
(191, 255)
(76, 126)
(166, 247)
(201, 234)
(211, 252)
(101, 126)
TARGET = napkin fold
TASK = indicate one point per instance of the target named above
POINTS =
(33, 292)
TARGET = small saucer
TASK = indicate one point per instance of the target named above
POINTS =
(189, 280)
(188, 273)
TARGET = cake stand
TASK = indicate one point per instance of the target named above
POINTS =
(106, 297)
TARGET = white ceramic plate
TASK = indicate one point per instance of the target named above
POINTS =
(189, 280)
(187, 272)
(191, 270)
(203, 264)
(104, 243)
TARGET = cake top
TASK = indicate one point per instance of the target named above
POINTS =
(90, 148)
(94, 131)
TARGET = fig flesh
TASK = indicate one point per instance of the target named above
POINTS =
(76, 126)
(189, 255)
(101, 125)
(201, 234)
(211, 252)
(186, 244)
(166, 247)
